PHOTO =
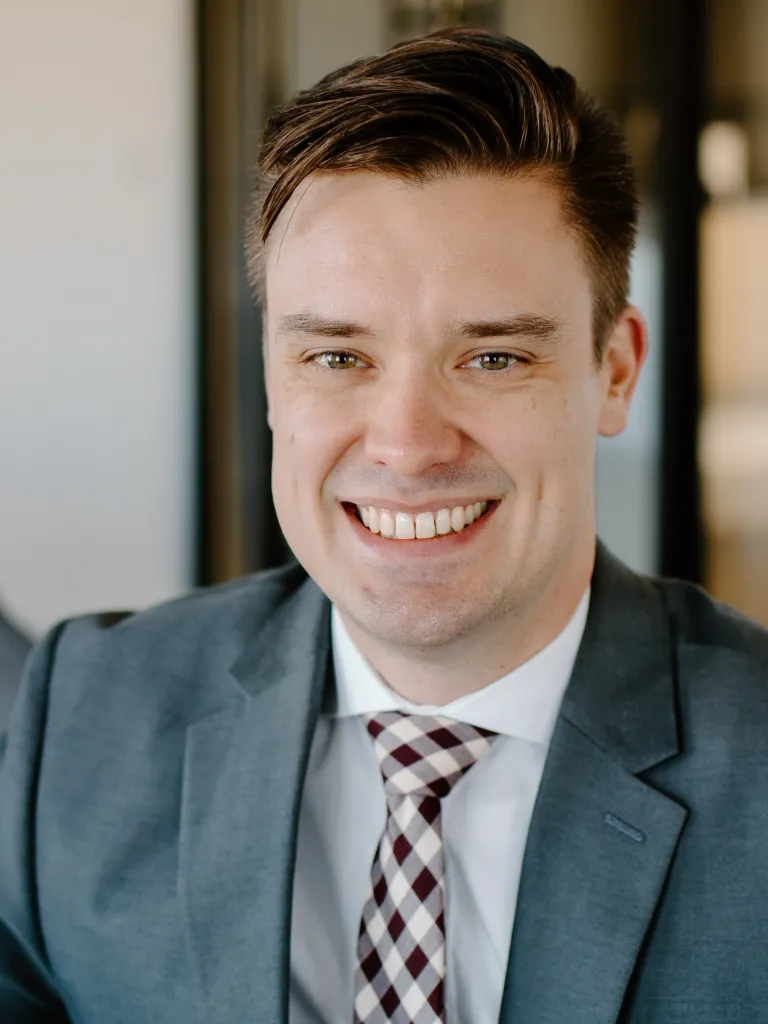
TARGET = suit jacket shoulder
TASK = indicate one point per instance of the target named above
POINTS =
(170, 660)
(702, 621)
(722, 669)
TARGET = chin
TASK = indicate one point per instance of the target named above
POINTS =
(418, 623)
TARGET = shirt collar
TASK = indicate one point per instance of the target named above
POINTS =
(524, 703)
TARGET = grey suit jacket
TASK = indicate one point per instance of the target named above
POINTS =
(150, 791)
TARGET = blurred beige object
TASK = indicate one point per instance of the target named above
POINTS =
(733, 455)
(733, 439)
(734, 303)
(724, 159)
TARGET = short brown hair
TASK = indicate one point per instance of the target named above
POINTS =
(452, 102)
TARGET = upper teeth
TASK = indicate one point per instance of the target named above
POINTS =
(423, 525)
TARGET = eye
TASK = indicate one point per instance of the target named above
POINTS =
(337, 360)
(494, 361)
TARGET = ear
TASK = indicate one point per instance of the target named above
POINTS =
(624, 353)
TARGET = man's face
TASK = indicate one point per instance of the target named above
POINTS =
(430, 347)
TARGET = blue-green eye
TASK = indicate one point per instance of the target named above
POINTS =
(337, 360)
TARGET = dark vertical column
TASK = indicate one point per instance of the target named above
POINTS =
(682, 64)
(240, 75)
(262, 87)
(201, 519)
(220, 26)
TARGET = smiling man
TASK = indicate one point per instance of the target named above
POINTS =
(457, 765)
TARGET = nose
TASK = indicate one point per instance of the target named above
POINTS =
(409, 428)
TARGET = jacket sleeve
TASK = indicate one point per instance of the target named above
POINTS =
(27, 988)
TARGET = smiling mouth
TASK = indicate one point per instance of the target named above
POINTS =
(421, 525)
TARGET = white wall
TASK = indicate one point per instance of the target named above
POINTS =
(96, 304)
(326, 34)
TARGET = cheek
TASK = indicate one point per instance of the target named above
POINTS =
(298, 417)
(310, 433)
(568, 479)
(548, 437)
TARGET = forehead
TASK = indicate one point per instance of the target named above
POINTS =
(369, 240)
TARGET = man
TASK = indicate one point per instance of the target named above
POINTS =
(458, 765)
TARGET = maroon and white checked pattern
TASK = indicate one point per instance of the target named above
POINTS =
(401, 948)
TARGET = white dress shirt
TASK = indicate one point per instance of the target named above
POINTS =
(485, 822)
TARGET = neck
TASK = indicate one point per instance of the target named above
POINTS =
(437, 676)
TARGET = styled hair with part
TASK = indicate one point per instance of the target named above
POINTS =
(460, 101)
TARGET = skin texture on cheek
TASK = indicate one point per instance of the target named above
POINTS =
(308, 438)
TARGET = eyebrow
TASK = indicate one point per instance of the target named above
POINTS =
(312, 323)
(540, 328)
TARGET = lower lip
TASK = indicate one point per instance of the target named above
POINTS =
(426, 548)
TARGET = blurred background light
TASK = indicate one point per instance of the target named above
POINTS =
(724, 159)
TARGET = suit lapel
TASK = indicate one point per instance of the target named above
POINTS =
(601, 840)
(244, 772)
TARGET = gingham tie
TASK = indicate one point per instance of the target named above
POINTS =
(401, 948)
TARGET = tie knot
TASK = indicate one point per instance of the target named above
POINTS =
(424, 755)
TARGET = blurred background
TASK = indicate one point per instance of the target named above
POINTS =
(134, 451)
